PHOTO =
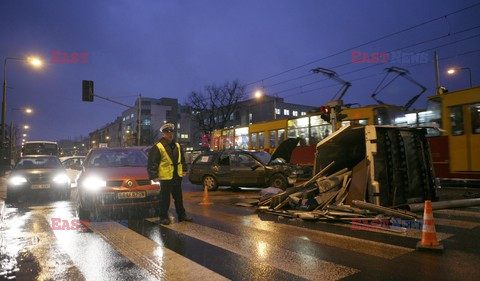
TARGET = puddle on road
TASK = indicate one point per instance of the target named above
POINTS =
(16, 260)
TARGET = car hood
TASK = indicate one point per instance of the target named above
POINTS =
(118, 172)
(285, 149)
(34, 172)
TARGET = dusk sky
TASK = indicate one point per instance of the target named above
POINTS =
(171, 48)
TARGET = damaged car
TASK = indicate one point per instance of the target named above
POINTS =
(245, 168)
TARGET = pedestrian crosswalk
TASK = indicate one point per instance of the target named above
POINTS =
(222, 244)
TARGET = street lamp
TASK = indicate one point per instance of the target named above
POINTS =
(13, 141)
(26, 127)
(452, 71)
(36, 63)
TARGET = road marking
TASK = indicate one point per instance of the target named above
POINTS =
(452, 212)
(455, 223)
(162, 263)
(362, 246)
(263, 251)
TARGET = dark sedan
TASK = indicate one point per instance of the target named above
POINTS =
(37, 174)
(241, 168)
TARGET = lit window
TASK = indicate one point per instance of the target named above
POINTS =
(286, 112)
(295, 113)
(303, 113)
(178, 125)
(131, 115)
(277, 111)
(250, 117)
(123, 118)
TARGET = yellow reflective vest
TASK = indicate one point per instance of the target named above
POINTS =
(165, 168)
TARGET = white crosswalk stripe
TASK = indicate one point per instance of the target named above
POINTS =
(264, 251)
(162, 263)
(159, 262)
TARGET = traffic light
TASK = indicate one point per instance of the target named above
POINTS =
(338, 114)
(325, 113)
(87, 90)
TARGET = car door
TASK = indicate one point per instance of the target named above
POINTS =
(243, 171)
(221, 168)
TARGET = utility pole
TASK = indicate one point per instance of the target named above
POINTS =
(437, 74)
(139, 119)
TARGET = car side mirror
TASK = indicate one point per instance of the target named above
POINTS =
(256, 166)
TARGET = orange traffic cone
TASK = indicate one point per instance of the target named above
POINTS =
(205, 198)
(429, 235)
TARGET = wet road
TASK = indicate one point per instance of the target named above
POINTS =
(227, 242)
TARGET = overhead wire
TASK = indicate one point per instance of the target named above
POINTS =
(376, 65)
(367, 43)
(377, 74)
(393, 50)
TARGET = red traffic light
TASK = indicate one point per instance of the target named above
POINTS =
(325, 109)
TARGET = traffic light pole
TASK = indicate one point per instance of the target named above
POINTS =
(333, 119)
(88, 96)
(139, 113)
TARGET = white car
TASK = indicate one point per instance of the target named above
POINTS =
(73, 166)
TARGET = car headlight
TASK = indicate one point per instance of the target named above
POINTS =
(17, 180)
(93, 183)
(152, 182)
(62, 178)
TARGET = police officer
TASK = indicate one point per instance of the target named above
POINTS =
(165, 164)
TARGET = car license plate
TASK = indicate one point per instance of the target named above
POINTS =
(128, 195)
(40, 186)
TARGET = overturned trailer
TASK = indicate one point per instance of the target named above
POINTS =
(391, 166)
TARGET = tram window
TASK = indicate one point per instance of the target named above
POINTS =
(456, 120)
(475, 111)
(273, 138)
(254, 140)
(261, 140)
(316, 135)
(281, 136)
(317, 120)
(299, 133)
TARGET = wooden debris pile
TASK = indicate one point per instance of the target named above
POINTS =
(320, 197)
(336, 197)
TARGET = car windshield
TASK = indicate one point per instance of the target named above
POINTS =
(263, 156)
(38, 163)
(117, 158)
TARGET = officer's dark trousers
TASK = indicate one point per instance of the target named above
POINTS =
(173, 187)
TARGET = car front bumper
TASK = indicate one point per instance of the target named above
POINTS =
(36, 188)
(110, 199)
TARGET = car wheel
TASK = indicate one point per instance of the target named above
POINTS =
(278, 181)
(11, 197)
(210, 182)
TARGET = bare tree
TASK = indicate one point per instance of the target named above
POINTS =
(213, 107)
